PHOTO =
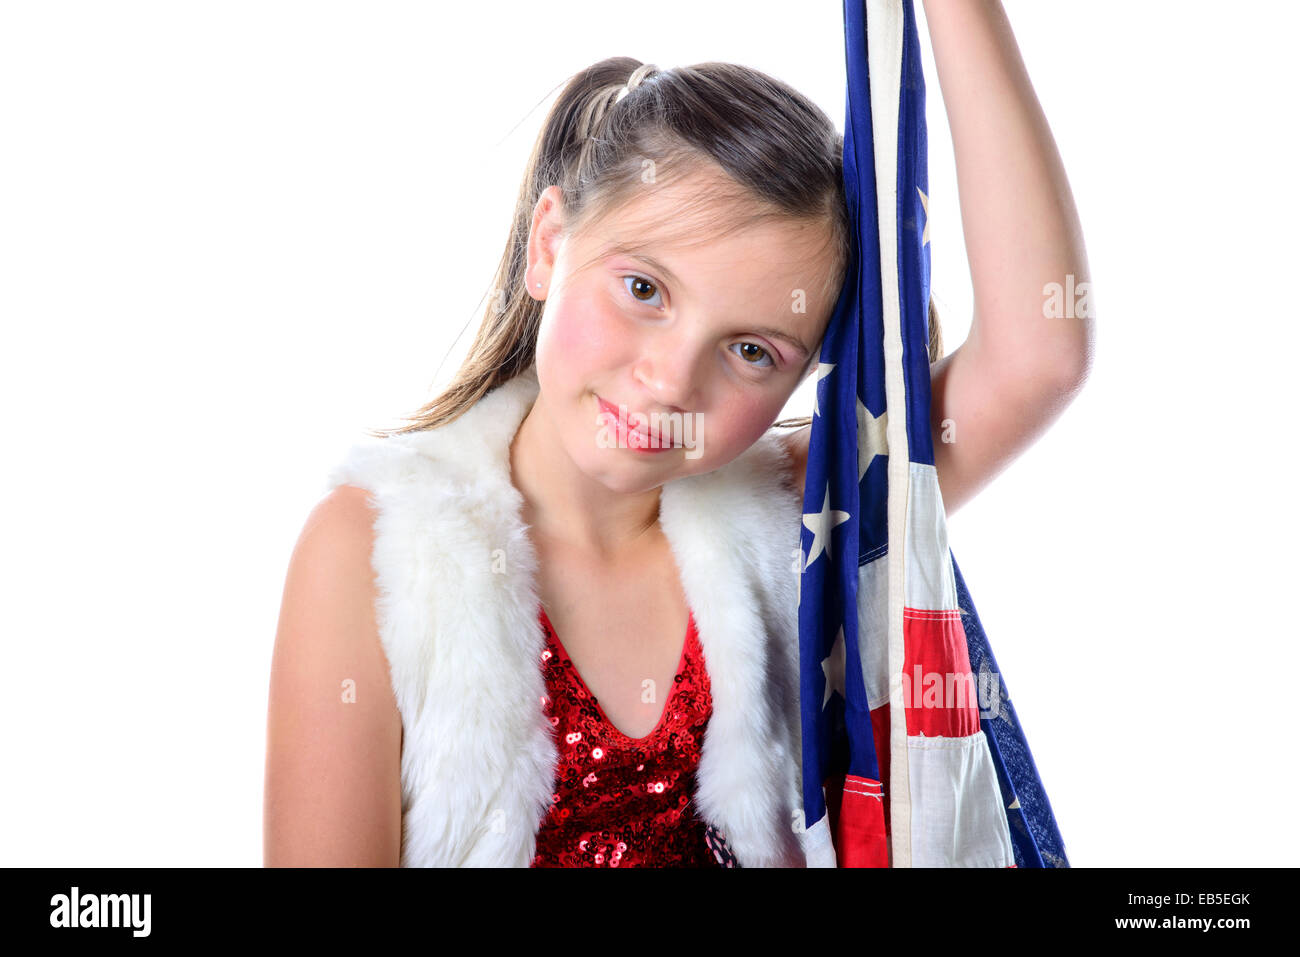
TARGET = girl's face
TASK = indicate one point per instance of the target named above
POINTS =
(701, 345)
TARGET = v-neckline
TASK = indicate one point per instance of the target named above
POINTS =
(609, 725)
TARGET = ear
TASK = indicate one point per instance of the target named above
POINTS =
(543, 241)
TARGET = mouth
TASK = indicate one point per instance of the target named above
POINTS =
(638, 440)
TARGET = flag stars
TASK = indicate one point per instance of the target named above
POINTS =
(925, 208)
(820, 524)
(823, 370)
(833, 669)
(872, 440)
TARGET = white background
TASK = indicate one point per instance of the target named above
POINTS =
(233, 235)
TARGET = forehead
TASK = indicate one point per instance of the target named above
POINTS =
(719, 243)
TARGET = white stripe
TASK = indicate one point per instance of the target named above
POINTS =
(930, 584)
(958, 819)
(818, 847)
(873, 630)
(885, 66)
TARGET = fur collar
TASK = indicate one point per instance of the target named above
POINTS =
(457, 613)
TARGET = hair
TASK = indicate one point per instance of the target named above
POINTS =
(781, 156)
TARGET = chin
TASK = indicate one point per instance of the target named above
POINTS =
(625, 478)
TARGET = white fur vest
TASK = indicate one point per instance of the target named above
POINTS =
(457, 616)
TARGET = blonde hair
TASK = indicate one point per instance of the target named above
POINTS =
(780, 152)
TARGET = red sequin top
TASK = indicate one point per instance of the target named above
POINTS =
(620, 801)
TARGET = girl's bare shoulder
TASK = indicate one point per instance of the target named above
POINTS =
(334, 733)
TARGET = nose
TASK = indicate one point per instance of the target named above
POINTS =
(667, 370)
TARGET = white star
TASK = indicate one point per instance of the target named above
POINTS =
(872, 440)
(833, 668)
(823, 370)
(820, 524)
(925, 205)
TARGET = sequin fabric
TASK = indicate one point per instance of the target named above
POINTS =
(620, 801)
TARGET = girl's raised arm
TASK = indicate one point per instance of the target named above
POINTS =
(334, 733)
(1027, 353)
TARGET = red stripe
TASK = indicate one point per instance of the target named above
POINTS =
(856, 809)
(938, 688)
(880, 733)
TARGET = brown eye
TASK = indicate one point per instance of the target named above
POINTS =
(642, 289)
(761, 353)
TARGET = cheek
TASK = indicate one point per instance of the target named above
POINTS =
(577, 334)
(738, 427)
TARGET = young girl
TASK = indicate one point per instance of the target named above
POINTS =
(551, 622)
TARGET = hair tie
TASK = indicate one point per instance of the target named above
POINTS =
(634, 80)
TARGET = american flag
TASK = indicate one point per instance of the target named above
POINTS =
(912, 753)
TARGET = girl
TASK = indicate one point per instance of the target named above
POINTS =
(550, 622)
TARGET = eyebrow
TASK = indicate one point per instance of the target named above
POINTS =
(785, 337)
(669, 275)
(652, 263)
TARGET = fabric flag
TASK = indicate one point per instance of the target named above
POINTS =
(912, 753)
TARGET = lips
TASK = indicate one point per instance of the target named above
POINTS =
(647, 439)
